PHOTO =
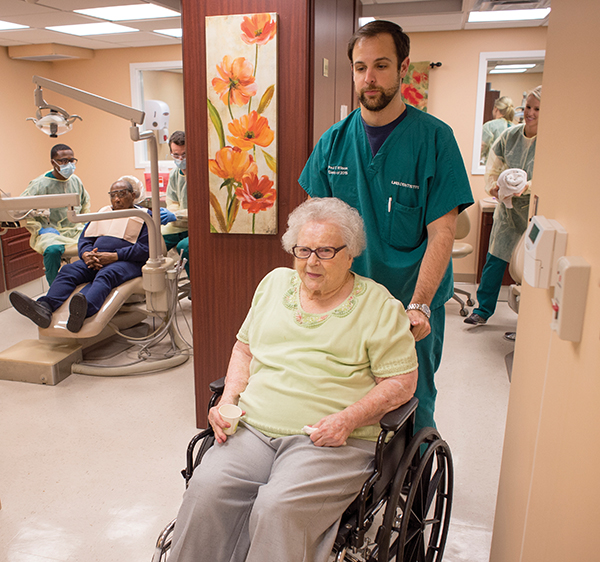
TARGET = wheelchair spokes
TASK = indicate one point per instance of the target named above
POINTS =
(423, 517)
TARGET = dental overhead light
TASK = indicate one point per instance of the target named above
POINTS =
(56, 122)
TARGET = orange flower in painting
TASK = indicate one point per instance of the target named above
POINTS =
(411, 95)
(236, 81)
(232, 164)
(256, 194)
(250, 130)
(417, 77)
(258, 29)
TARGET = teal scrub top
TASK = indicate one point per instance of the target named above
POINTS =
(417, 176)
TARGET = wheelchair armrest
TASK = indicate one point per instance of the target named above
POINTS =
(217, 386)
(395, 419)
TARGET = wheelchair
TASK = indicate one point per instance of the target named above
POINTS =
(408, 495)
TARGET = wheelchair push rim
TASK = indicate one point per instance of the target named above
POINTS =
(417, 515)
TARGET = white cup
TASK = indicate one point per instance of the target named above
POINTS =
(231, 414)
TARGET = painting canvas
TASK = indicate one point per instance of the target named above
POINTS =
(415, 86)
(241, 56)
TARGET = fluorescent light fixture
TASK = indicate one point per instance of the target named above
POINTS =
(6, 26)
(507, 71)
(508, 15)
(176, 32)
(92, 29)
(508, 66)
(131, 12)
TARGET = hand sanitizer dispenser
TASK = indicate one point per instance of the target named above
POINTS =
(545, 243)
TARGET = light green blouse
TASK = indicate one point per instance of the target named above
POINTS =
(307, 366)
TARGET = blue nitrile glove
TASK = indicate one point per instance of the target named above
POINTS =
(49, 230)
(166, 216)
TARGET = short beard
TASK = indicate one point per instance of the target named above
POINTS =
(381, 102)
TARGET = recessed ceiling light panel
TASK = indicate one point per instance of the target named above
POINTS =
(92, 29)
(7, 26)
(507, 71)
(508, 66)
(508, 15)
(176, 32)
(128, 13)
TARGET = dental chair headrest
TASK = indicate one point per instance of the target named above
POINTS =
(137, 186)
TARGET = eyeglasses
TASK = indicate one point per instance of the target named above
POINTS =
(119, 193)
(178, 156)
(63, 161)
(324, 253)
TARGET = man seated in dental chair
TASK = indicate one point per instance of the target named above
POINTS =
(111, 252)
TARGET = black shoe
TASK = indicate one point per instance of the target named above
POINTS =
(510, 336)
(77, 312)
(38, 312)
(475, 319)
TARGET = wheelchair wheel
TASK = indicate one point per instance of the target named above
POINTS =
(417, 516)
(163, 544)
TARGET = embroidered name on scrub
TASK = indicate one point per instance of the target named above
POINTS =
(337, 170)
(402, 184)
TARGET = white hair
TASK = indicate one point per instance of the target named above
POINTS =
(137, 187)
(328, 210)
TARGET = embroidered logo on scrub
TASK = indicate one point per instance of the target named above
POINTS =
(402, 184)
(337, 170)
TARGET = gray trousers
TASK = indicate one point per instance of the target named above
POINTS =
(258, 499)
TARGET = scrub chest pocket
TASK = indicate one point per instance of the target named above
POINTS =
(405, 226)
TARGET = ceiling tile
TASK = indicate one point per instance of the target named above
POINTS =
(52, 17)
(70, 5)
(9, 8)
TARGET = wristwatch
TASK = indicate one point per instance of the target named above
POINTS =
(422, 307)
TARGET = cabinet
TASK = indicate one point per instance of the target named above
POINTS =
(485, 228)
(21, 264)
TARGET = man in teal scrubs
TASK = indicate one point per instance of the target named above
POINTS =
(402, 169)
(174, 234)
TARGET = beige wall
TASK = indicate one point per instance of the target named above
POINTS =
(101, 142)
(26, 151)
(549, 497)
(453, 92)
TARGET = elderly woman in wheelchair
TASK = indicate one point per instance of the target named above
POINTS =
(321, 357)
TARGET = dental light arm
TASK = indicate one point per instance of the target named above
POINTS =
(136, 117)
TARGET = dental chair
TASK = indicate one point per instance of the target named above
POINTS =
(70, 254)
(409, 494)
(462, 250)
(58, 352)
(515, 268)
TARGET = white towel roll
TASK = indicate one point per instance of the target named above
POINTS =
(511, 182)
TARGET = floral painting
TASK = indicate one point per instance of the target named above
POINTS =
(241, 56)
(415, 86)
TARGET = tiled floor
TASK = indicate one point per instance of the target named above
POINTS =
(90, 468)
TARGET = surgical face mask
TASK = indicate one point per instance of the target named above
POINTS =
(180, 164)
(66, 170)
